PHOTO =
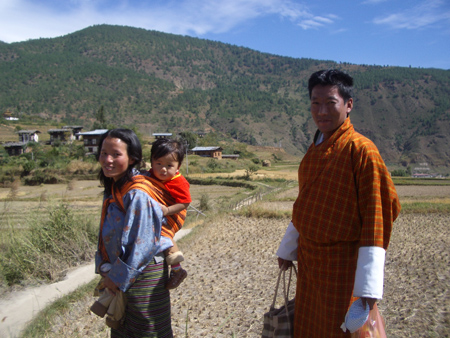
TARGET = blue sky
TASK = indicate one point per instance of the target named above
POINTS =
(375, 32)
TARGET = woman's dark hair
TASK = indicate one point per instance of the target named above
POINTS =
(163, 146)
(332, 77)
(134, 150)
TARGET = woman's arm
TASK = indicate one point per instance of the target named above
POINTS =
(140, 237)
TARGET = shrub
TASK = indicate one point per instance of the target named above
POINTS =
(28, 167)
(399, 173)
(251, 170)
(41, 176)
(204, 202)
(212, 164)
(50, 246)
(14, 190)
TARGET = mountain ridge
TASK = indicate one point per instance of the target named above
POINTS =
(166, 82)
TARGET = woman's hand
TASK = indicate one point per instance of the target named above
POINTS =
(110, 285)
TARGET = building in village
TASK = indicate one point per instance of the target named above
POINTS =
(21, 147)
(161, 135)
(15, 148)
(7, 115)
(28, 135)
(75, 131)
(91, 140)
(66, 134)
(230, 156)
(214, 152)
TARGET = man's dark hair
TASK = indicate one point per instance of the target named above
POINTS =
(163, 146)
(134, 150)
(332, 77)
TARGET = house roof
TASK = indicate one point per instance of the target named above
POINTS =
(63, 130)
(206, 148)
(14, 144)
(94, 132)
(28, 132)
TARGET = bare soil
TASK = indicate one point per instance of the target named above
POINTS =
(232, 273)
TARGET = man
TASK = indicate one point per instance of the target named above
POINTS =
(342, 218)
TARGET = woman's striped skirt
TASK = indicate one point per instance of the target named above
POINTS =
(147, 313)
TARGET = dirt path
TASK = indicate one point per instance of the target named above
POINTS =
(18, 308)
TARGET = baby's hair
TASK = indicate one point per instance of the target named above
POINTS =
(134, 150)
(163, 146)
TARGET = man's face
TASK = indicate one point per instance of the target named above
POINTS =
(328, 109)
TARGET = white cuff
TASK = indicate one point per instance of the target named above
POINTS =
(288, 246)
(370, 272)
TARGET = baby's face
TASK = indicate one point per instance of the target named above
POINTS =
(166, 167)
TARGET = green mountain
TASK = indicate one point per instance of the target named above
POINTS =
(162, 82)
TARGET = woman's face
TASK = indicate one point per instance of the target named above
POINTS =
(114, 158)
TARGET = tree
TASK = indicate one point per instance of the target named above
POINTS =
(189, 138)
(251, 170)
(101, 119)
(212, 164)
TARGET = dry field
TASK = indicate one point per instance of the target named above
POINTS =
(232, 272)
(84, 197)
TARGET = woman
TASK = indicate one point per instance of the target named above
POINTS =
(130, 240)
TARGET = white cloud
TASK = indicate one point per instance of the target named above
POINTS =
(315, 22)
(425, 14)
(30, 19)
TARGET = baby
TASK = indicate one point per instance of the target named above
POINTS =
(166, 158)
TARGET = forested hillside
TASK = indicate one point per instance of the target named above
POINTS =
(163, 82)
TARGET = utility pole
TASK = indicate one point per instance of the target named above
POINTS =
(187, 161)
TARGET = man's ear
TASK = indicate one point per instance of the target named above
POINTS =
(349, 106)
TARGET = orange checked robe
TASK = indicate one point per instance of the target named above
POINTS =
(346, 200)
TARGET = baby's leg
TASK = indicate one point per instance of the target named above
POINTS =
(173, 254)
(173, 258)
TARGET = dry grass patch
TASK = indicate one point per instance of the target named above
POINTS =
(82, 167)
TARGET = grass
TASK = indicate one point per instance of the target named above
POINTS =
(40, 248)
(255, 211)
(429, 207)
(419, 181)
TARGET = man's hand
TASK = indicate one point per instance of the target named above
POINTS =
(284, 264)
(370, 301)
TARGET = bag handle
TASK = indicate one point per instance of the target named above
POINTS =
(283, 272)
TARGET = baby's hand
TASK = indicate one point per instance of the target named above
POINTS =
(164, 209)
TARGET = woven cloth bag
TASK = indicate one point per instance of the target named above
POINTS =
(279, 323)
